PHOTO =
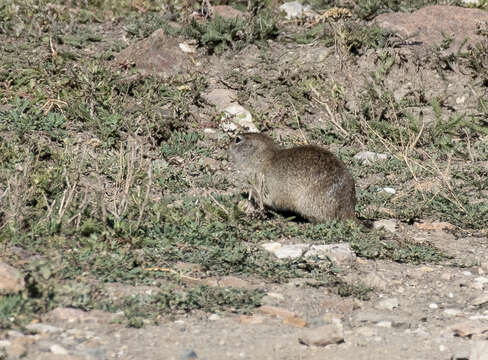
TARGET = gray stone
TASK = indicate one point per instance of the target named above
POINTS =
(387, 224)
(294, 9)
(11, 280)
(368, 157)
(322, 336)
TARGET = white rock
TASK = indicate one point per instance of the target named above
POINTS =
(452, 312)
(58, 350)
(43, 328)
(339, 253)
(385, 324)
(388, 224)
(294, 9)
(369, 157)
(387, 304)
(433, 306)
(240, 116)
(276, 296)
(271, 247)
(291, 251)
(473, 2)
(388, 190)
(186, 48)
(460, 100)
(214, 317)
(467, 273)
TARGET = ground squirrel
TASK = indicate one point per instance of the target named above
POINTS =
(307, 180)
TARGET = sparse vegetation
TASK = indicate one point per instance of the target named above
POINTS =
(103, 173)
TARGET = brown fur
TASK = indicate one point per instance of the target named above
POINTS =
(307, 180)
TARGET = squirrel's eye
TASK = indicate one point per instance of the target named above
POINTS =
(238, 139)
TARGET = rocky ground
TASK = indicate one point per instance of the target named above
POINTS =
(402, 103)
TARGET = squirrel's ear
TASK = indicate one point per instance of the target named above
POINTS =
(238, 139)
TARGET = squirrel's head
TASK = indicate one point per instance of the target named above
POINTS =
(247, 151)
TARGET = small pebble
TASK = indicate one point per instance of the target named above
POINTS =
(452, 312)
(433, 306)
(58, 350)
(214, 317)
